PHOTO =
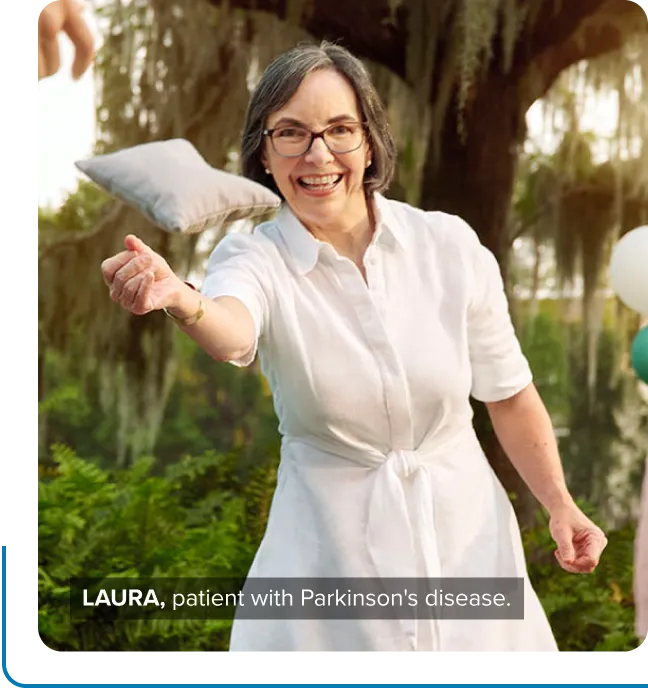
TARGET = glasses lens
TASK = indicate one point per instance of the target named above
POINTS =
(344, 137)
(291, 141)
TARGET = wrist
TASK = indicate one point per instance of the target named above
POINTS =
(560, 502)
(184, 301)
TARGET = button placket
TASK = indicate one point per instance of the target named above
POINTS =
(376, 283)
(367, 303)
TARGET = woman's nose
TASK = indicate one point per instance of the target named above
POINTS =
(318, 153)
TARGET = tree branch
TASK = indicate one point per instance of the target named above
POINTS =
(364, 27)
(584, 29)
(556, 39)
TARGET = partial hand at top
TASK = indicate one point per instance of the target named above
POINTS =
(140, 280)
(63, 15)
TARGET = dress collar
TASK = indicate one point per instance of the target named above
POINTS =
(303, 248)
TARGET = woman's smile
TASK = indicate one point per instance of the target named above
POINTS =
(320, 185)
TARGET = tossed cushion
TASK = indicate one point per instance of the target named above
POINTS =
(172, 185)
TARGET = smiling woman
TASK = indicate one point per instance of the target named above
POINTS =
(291, 139)
(323, 174)
(317, 133)
(374, 323)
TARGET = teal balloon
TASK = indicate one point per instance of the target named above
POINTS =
(639, 354)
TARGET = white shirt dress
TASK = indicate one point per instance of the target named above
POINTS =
(381, 473)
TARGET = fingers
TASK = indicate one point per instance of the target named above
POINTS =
(122, 288)
(134, 243)
(42, 63)
(134, 246)
(76, 28)
(566, 551)
(49, 24)
(563, 538)
(587, 548)
(583, 564)
(580, 541)
(160, 267)
(136, 295)
(63, 15)
(110, 266)
(131, 273)
(143, 302)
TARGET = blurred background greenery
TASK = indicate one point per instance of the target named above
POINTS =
(526, 118)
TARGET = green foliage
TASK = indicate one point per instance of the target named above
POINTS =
(607, 426)
(216, 405)
(78, 213)
(595, 611)
(544, 346)
(70, 411)
(130, 523)
(586, 611)
(192, 512)
(82, 208)
(211, 405)
(96, 523)
(601, 422)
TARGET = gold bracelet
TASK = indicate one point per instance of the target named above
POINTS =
(192, 319)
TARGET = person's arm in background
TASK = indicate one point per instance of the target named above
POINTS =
(641, 563)
(63, 15)
(640, 578)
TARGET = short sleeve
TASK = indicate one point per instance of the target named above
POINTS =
(238, 267)
(499, 368)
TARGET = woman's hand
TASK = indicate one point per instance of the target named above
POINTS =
(140, 280)
(580, 542)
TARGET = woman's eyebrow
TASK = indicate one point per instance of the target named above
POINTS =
(342, 118)
(297, 123)
(289, 120)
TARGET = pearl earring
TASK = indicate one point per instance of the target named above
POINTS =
(368, 163)
(267, 171)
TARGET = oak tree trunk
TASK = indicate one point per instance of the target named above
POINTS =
(474, 179)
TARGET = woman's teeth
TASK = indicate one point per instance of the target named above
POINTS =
(327, 182)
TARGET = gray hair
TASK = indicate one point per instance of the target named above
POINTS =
(278, 84)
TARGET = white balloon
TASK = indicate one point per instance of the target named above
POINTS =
(629, 269)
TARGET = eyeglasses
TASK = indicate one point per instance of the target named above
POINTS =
(292, 141)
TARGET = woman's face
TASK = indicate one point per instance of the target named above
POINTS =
(321, 187)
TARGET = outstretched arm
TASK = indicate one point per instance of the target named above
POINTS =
(141, 281)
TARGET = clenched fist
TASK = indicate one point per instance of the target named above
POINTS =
(140, 280)
(580, 542)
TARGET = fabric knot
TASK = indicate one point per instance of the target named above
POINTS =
(404, 462)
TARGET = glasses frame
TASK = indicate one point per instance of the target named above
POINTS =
(317, 135)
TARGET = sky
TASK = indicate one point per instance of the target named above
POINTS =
(66, 114)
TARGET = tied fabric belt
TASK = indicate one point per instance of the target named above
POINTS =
(393, 537)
